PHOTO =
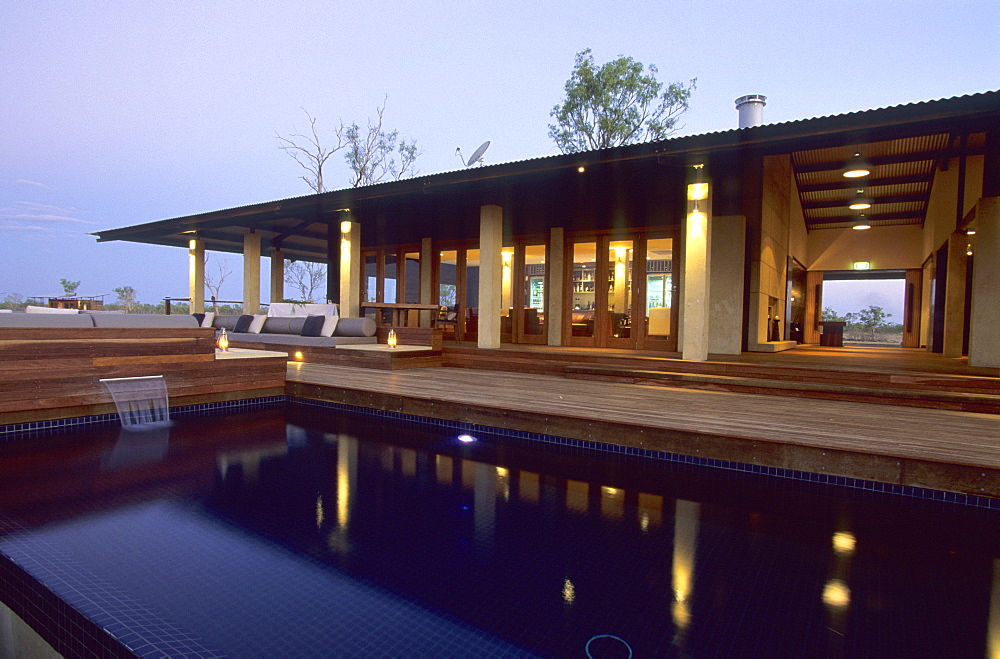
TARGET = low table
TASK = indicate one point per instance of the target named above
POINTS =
(246, 353)
(381, 356)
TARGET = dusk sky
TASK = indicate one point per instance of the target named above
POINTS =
(119, 113)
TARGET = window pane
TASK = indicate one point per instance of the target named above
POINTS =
(412, 270)
(534, 290)
(584, 286)
(389, 292)
(370, 282)
(620, 257)
(448, 281)
(659, 287)
(471, 294)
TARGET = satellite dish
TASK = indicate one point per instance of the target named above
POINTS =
(477, 155)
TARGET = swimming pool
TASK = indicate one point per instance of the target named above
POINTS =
(303, 532)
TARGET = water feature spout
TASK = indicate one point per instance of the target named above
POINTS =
(141, 401)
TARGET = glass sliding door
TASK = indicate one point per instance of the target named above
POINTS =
(410, 273)
(659, 304)
(389, 285)
(469, 312)
(587, 293)
(529, 303)
(618, 312)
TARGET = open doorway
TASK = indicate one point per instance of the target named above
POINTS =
(871, 302)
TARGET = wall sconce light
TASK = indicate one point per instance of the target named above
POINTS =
(968, 249)
(581, 169)
(345, 227)
(391, 340)
(862, 265)
(222, 343)
(193, 243)
(861, 201)
(698, 191)
(857, 167)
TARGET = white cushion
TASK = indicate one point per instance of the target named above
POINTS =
(257, 323)
(209, 317)
(329, 325)
(31, 309)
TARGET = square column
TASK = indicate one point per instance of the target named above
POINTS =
(426, 279)
(277, 275)
(697, 269)
(490, 275)
(555, 268)
(196, 275)
(814, 306)
(251, 272)
(726, 285)
(954, 296)
(984, 339)
(333, 236)
(350, 269)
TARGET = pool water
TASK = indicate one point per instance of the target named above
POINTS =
(302, 532)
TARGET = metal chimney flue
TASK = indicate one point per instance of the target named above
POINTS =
(751, 109)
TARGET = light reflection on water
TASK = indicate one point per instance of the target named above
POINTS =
(546, 548)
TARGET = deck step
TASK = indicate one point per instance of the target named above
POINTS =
(968, 402)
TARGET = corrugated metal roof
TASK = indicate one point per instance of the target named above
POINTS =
(773, 136)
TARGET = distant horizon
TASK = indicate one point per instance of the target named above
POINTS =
(852, 296)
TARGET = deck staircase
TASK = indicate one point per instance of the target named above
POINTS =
(920, 384)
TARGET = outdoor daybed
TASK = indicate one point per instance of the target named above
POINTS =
(300, 331)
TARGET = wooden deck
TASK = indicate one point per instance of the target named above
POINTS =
(934, 448)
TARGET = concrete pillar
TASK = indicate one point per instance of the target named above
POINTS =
(984, 339)
(555, 269)
(426, 278)
(196, 275)
(490, 275)
(251, 272)
(697, 269)
(926, 286)
(277, 275)
(333, 261)
(726, 285)
(954, 296)
(350, 269)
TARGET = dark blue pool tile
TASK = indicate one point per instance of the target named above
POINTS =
(586, 445)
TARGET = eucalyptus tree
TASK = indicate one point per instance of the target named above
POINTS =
(372, 152)
(615, 104)
(309, 151)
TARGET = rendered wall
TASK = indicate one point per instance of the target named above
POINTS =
(886, 248)
(769, 267)
(943, 203)
(725, 319)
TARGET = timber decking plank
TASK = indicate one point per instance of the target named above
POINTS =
(958, 437)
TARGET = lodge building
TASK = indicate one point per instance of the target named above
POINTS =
(706, 244)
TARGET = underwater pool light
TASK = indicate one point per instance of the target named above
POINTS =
(465, 439)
